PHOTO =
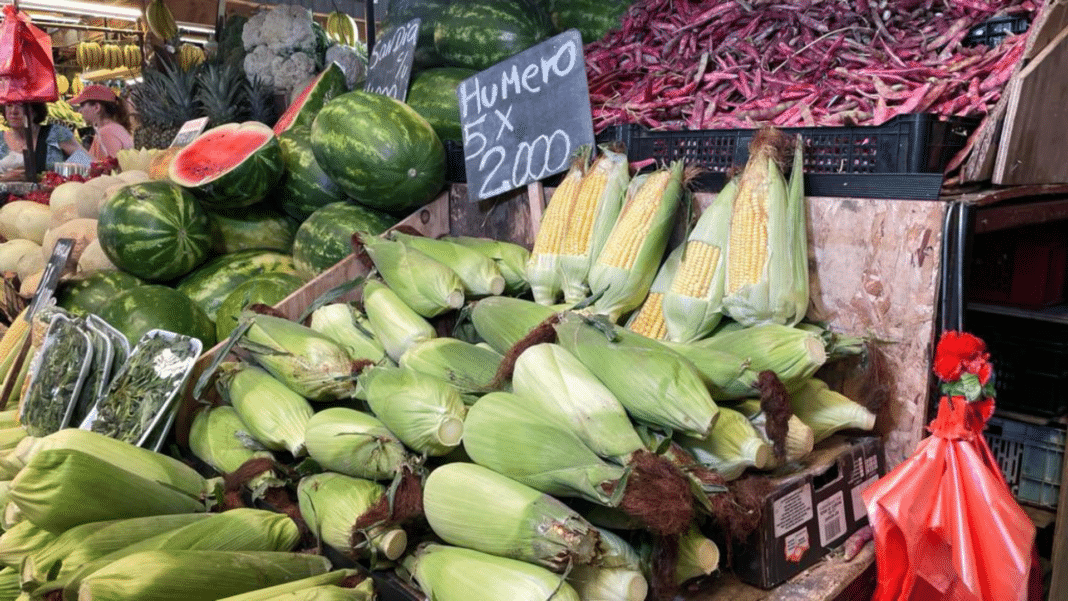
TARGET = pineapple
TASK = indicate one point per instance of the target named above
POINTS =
(262, 104)
(220, 90)
(165, 99)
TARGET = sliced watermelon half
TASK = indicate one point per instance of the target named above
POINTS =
(301, 112)
(230, 166)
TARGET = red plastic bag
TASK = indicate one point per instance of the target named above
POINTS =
(945, 522)
(27, 72)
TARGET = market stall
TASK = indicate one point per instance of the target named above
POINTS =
(341, 300)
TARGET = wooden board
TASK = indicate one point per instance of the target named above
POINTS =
(1033, 129)
(431, 220)
(506, 217)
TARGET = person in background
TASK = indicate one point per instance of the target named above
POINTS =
(59, 144)
(102, 110)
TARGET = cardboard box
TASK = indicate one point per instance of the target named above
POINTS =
(811, 510)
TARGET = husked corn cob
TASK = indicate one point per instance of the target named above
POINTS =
(592, 216)
(693, 306)
(648, 319)
(543, 267)
(626, 266)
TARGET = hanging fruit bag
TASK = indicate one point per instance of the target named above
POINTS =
(27, 72)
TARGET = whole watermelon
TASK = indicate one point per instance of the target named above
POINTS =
(155, 230)
(326, 236)
(257, 227)
(305, 186)
(215, 280)
(229, 166)
(266, 288)
(380, 151)
(432, 94)
(478, 35)
(400, 12)
(593, 18)
(87, 292)
(152, 306)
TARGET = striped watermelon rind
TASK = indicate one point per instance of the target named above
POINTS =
(479, 35)
(302, 110)
(325, 238)
(138, 310)
(154, 230)
(267, 288)
(305, 186)
(593, 18)
(87, 292)
(429, 12)
(215, 280)
(380, 151)
(432, 94)
(230, 166)
(257, 227)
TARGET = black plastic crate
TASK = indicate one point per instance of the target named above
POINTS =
(1030, 361)
(1030, 457)
(455, 168)
(903, 158)
(993, 31)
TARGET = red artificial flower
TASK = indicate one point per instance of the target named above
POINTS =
(958, 353)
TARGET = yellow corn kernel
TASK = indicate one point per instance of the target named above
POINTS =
(649, 319)
(634, 222)
(584, 212)
(749, 231)
(553, 226)
(694, 275)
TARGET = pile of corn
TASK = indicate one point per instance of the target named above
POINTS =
(506, 461)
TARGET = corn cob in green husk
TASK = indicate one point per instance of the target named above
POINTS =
(828, 411)
(21, 540)
(800, 437)
(220, 439)
(275, 415)
(731, 447)
(502, 321)
(332, 505)
(543, 266)
(485, 577)
(426, 414)
(324, 587)
(347, 326)
(471, 369)
(354, 443)
(511, 260)
(425, 284)
(478, 273)
(794, 354)
(648, 318)
(392, 321)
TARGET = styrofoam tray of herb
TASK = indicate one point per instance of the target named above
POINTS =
(119, 343)
(144, 391)
(98, 378)
(56, 375)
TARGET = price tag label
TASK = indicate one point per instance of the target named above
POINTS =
(525, 117)
(389, 68)
(189, 131)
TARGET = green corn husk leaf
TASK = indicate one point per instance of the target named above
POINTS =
(309, 363)
(485, 577)
(220, 439)
(698, 556)
(800, 437)
(196, 575)
(648, 318)
(503, 321)
(472, 506)
(828, 411)
(131, 458)
(293, 591)
(470, 368)
(9, 418)
(574, 264)
(478, 273)
(616, 552)
(781, 294)
(354, 443)
(727, 375)
(275, 415)
(543, 265)
(508, 434)
(425, 284)
(12, 515)
(332, 503)
(10, 437)
(234, 530)
(794, 354)
(598, 583)
(9, 584)
(20, 540)
(426, 414)
(347, 326)
(51, 491)
(5, 492)
(511, 260)
(655, 384)
(731, 447)
(621, 290)
(393, 322)
(10, 464)
(556, 380)
(689, 318)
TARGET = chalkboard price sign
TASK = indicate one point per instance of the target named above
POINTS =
(525, 117)
(390, 66)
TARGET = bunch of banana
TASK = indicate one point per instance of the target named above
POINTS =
(112, 56)
(160, 20)
(90, 55)
(76, 86)
(132, 57)
(341, 28)
(190, 55)
(60, 111)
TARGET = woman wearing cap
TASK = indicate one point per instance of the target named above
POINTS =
(103, 110)
(53, 143)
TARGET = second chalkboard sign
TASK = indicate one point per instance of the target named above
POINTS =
(525, 117)
(390, 66)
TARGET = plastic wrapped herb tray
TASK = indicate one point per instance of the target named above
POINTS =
(56, 375)
(119, 344)
(98, 377)
(142, 396)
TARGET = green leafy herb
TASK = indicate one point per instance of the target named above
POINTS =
(59, 370)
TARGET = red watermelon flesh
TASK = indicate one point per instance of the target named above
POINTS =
(328, 84)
